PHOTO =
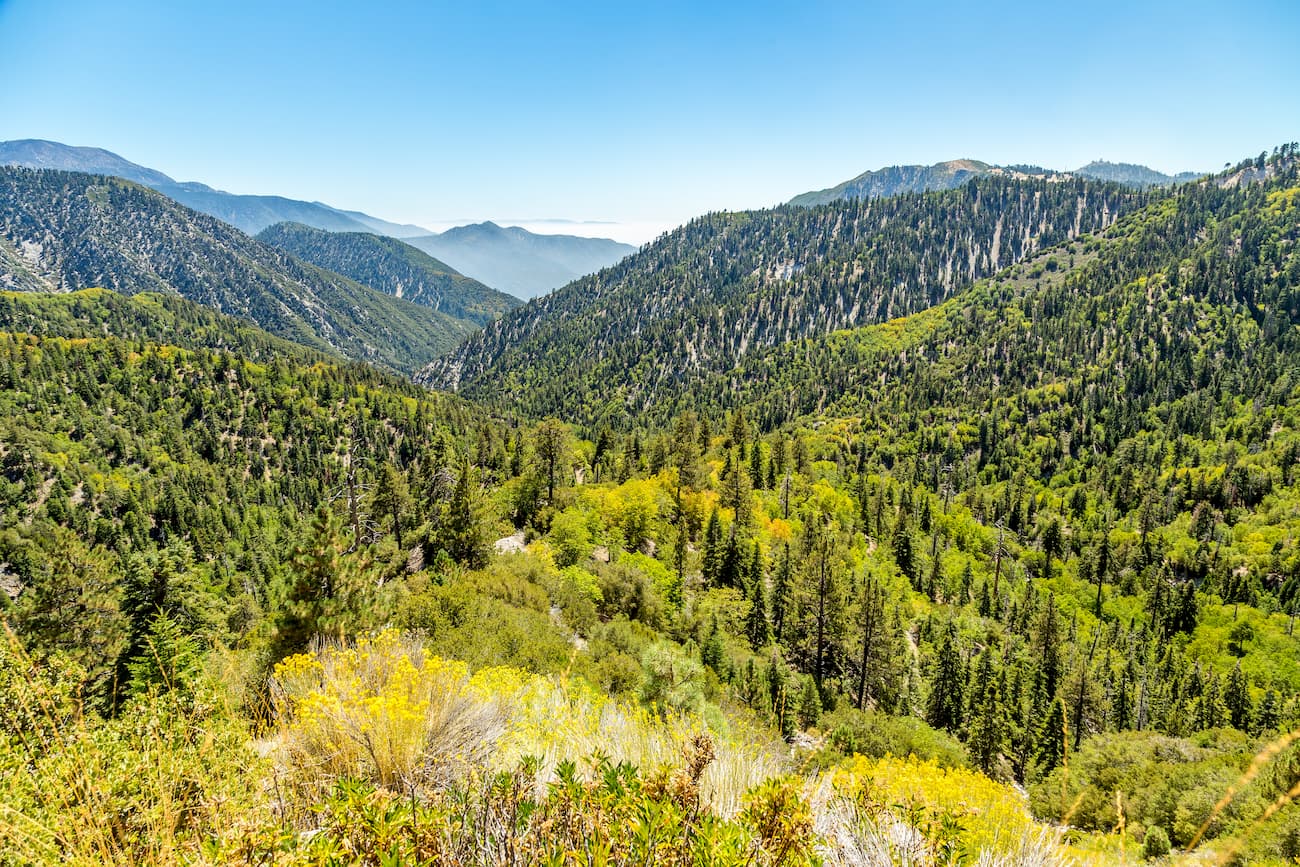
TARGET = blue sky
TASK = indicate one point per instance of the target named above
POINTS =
(637, 113)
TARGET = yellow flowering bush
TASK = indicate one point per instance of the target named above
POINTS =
(381, 710)
(385, 711)
(895, 810)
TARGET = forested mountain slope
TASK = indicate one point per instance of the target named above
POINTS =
(174, 438)
(62, 231)
(1195, 288)
(702, 299)
(394, 268)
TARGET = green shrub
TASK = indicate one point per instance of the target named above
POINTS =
(1156, 843)
(854, 732)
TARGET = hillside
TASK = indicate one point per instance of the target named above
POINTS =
(520, 262)
(393, 268)
(62, 231)
(611, 347)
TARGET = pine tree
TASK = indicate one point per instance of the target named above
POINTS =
(1052, 739)
(757, 628)
(1236, 697)
(904, 555)
(810, 704)
(1047, 646)
(550, 446)
(460, 530)
(391, 500)
(686, 455)
(169, 661)
(782, 587)
(712, 652)
(1270, 715)
(871, 615)
(737, 492)
(732, 567)
(987, 735)
(778, 686)
(711, 565)
(947, 685)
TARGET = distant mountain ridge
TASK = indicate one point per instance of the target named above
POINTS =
(520, 262)
(512, 260)
(1132, 175)
(896, 180)
(65, 231)
(392, 267)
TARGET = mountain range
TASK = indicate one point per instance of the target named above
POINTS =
(513, 260)
(64, 231)
(895, 180)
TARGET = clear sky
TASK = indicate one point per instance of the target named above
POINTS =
(642, 113)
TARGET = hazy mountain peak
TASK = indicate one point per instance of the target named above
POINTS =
(1131, 174)
(41, 154)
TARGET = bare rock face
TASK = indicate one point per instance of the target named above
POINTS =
(512, 544)
(600, 553)
(10, 584)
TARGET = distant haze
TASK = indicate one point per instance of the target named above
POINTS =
(635, 233)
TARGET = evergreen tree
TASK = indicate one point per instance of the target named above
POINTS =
(1047, 646)
(1269, 717)
(757, 628)
(1052, 739)
(904, 555)
(460, 530)
(947, 686)
(686, 454)
(551, 448)
(1236, 697)
(732, 568)
(712, 652)
(711, 565)
(810, 704)
(988, 727)
(391, 500)
(871, 615)
(169, 661)
(782, 588)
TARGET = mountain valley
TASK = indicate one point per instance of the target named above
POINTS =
(951, 518)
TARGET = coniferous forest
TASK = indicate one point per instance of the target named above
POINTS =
(955, 527)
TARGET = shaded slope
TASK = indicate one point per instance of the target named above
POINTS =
(71, 231)
(393, 268)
